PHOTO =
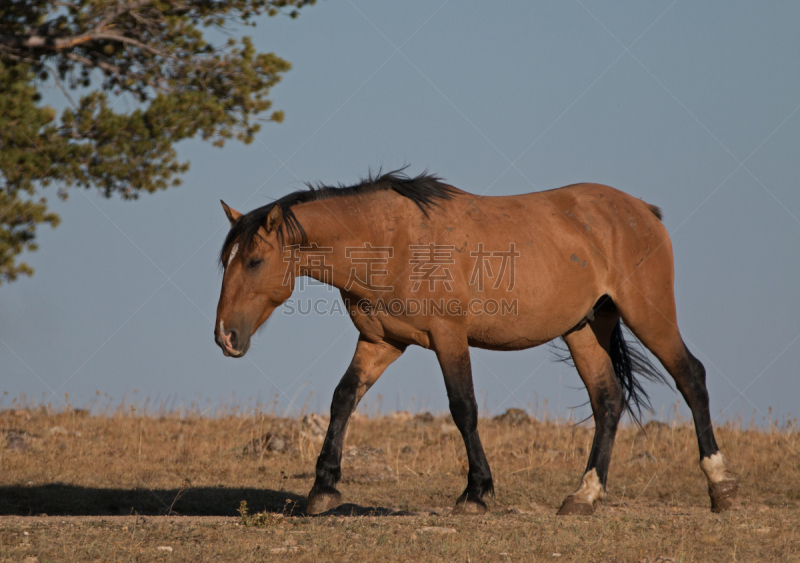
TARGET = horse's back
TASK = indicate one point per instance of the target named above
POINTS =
(605, 222)
(596, 200)
(571, 245)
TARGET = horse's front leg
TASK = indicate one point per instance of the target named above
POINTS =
(369, 362)
(452, 351)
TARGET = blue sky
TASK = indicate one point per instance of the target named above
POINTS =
(690, 106)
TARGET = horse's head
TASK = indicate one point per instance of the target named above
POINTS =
(254, 282)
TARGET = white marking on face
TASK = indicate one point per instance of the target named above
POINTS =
(591, 489)
(714, 467)
(225, 341)
(234, 250)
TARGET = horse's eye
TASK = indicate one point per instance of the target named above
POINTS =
(254, 263)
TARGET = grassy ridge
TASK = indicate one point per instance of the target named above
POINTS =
(118, 487)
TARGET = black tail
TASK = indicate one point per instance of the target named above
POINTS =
(630, 362)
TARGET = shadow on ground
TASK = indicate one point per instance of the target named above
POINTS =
(69, 500)
(349, 509)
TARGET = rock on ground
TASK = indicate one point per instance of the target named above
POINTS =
(269, 442)
(513, 417)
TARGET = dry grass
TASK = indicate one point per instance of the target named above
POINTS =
(118, 487)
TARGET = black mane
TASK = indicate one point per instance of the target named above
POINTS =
(423, 190)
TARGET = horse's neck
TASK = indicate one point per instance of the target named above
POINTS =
(335, 234)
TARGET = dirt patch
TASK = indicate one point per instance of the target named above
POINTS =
(366, 465)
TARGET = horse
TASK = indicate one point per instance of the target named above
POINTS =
(420, 262)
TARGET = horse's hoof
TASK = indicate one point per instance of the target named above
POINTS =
(572, 507)
(323, 501)
(723, 494)
(469, 507)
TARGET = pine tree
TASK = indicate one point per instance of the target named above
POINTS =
(153, 50)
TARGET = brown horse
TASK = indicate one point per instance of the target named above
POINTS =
(421, 262)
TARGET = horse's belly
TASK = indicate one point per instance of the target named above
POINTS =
(504, 343)
(515, 332)
(536, 312)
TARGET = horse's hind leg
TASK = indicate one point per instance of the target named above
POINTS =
(653, 321)
(690, 377)
(589, 347)
(367, 365)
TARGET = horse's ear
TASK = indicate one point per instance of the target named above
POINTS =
(231, 214)
(274, 218)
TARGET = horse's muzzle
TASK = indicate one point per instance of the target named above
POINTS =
(231, 342)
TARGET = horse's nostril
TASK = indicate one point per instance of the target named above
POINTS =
(234, 338)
